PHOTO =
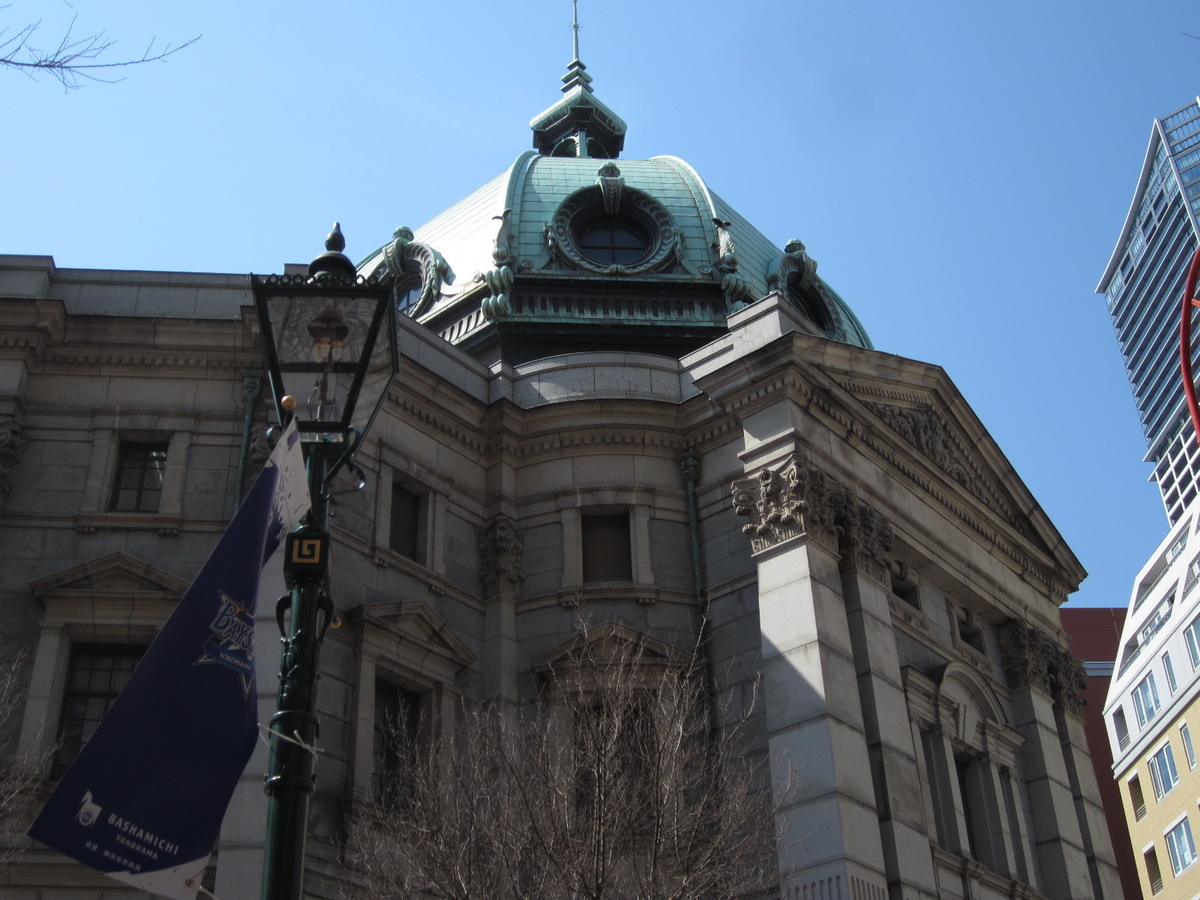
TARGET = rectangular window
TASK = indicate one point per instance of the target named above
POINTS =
(1170, 670)
(1191, 636)
(606, 550)
(95, 675)
(405, 523)
(397, 723)
(1181, 847)
(1162, 771)
(1145, 700)
(1186, 736)
(139, 481)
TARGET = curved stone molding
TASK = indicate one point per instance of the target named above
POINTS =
(660, 227)
(12, 448)
(787, 502)
(500, 549)
(404, 254)
(868, 538)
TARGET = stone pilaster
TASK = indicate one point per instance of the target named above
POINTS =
(865, 540)
(1068, 680)
(1029, 660)
(12, 447)
(500, 551)
(827, 822)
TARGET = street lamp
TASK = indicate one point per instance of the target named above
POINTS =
(330, 343)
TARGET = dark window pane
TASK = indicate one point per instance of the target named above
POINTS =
(406, 510)
(140, 469)
(95, 675)
(609, 243)
(397, 722)
(606, 550)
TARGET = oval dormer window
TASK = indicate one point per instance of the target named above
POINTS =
(609, 241)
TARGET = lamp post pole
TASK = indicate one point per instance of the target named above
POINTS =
(329, 337)
(294, 727)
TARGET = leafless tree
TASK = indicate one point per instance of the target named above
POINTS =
(73, 60)
(610, 786)
(18, 774)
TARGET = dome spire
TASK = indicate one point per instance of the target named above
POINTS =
(578, 124)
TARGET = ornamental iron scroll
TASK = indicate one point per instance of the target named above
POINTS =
(12, 448)
(797, 499)
(611, 186)
(499, 279)
(403, 255)
(868, 538)
(501, 546)
(652, 218)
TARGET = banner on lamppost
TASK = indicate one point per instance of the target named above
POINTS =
(144, 800)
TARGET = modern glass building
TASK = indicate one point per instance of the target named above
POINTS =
(1143, 283)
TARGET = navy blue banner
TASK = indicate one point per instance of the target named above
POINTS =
(144, 800)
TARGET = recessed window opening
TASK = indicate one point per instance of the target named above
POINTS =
(611, 241)
(139, 480)
(1122, 728)
(1137, 800)
(408, 292)
(1153, 873)
(95, 675)
(607, 554)
(397, 725)
(405, 526)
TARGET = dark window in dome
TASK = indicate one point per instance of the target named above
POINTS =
(407, 294)
(810, 302)
(612, 242)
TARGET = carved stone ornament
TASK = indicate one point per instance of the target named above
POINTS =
(927, 431)
(500, 549)
(611, 185)
(260, 447)
(1070, 680)
(12, 448)
(868, 538)
(404, 255)
(795, 499)
(1030, 656)
(652, 217)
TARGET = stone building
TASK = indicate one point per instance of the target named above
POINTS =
(605, 366)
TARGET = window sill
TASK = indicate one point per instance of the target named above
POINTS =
(128, 521)
(570, 598)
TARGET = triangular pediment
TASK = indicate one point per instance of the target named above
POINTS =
(607, 642)
(115, 575)
(416, 622)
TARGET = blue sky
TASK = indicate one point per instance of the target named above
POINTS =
(960, 171)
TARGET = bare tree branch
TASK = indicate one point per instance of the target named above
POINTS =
(72, 61)
(611, 786)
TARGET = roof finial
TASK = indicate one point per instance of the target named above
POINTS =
(575, 27)
(576, 76)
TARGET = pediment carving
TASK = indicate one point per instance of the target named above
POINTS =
(606, 642)
(927, 430)
(412, 622)
(117, 574)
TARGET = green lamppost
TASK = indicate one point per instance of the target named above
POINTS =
(330, 343)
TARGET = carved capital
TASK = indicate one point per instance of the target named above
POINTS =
(1069, 681)
(783, 503)
(500, 550)
(12, 448)
(867, 539)
(1029, 656)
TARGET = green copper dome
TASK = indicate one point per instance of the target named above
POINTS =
(572, 249)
